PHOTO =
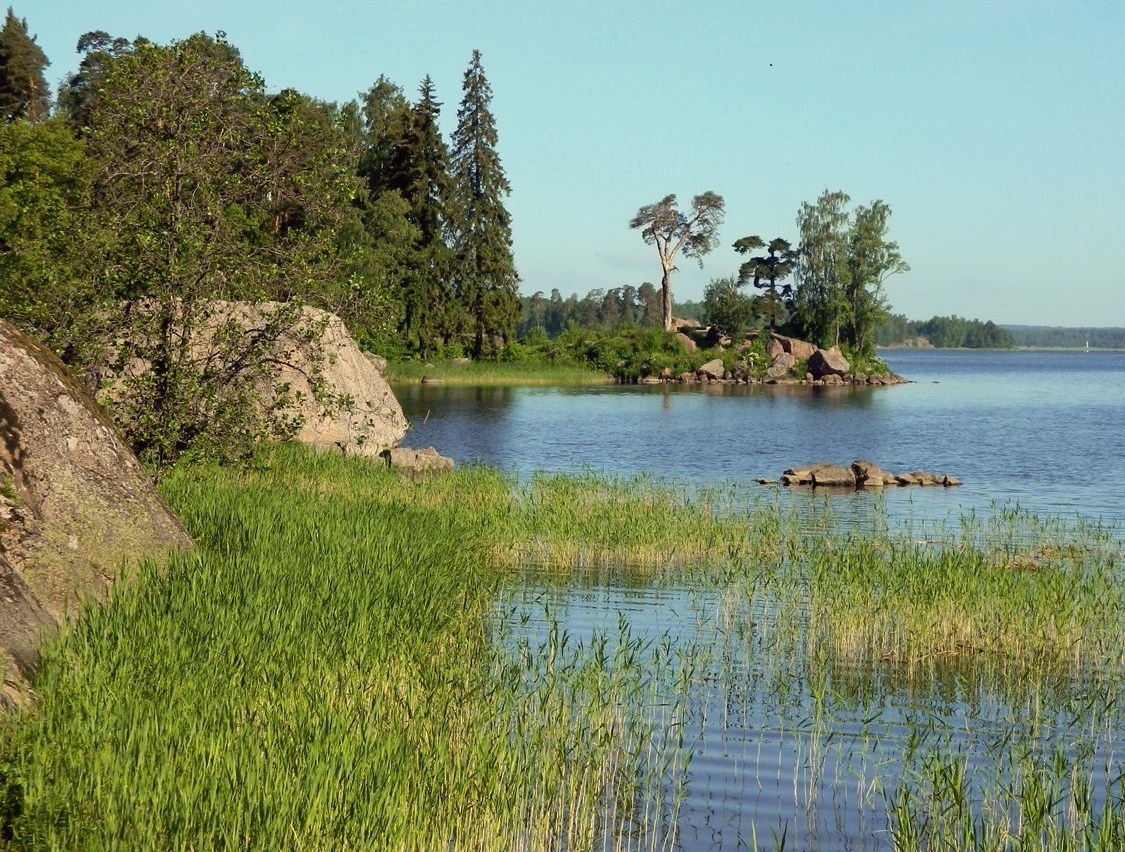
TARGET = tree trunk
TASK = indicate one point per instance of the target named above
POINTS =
(666, 299)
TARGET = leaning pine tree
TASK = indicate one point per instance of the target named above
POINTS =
(486, 280)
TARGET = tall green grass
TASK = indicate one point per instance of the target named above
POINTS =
(316, 676)
(495, 373)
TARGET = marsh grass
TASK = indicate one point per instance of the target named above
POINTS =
(495, 373)
(330, 669)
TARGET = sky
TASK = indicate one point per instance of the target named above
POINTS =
(994, 129)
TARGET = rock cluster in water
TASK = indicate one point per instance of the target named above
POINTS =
(860, 474)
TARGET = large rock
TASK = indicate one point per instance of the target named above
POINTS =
(713, 369)
(802, 474)
(799, 349)
(833, 476)
(828, 362)
(373, 420)
(870, 475)
(351, 409)
(75, 506)
(779, 368)
(417, 462)
(686, 342)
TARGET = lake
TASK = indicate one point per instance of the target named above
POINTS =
(790, 745)
(1043, 430)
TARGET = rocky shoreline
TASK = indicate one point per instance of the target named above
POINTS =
(791, 362)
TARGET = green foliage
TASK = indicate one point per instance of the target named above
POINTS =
(24, 93)
(46, 285)
(205, 191)
(727, 307)
(601, 309)
(951, 332)
(1066, 338)
(485, 281)
(844, 262)
(405, 154)
(768, 272)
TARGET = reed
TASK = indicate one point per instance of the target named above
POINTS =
(318, 675)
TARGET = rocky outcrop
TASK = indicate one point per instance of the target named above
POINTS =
(75, 506)
(828, 362)
(335, 392)
(799, 349)
(780, 366)
(860, 474)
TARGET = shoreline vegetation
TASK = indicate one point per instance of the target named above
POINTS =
(329, 667)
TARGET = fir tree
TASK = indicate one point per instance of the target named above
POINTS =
(485, 274)
(417, 171)
(23, 89)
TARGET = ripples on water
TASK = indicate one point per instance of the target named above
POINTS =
(807, 746)
(789, 744)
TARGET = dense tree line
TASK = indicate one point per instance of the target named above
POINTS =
(951, 332)
(168, 182)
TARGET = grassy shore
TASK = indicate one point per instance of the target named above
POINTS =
(457, 372)
(327, 670)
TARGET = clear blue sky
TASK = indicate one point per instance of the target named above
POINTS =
(995, 129)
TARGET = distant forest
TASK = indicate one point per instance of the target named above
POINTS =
(1055, 337)
(951, 332)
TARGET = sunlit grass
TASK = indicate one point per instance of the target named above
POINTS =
(494, 373)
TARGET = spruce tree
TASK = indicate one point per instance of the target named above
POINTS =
(418, 173)
(23, 89)
(485, 277)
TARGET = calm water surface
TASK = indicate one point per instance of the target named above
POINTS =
(1044, 430)
(783, 743)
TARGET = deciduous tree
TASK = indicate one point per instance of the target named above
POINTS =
(45, 239)
(871, 260)
(694, 233)
(844, 261)
(205, 190)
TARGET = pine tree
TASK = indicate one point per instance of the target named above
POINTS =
(23, 89)
(485, 277)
